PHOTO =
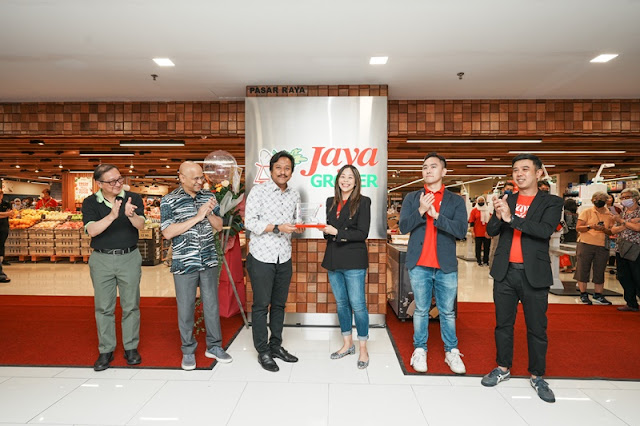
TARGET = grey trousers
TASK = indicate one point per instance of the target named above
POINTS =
(186, 286)
(112, 274)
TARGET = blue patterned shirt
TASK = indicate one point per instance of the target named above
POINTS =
(194, 250)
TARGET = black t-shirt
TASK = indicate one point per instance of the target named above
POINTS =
(5, 206)
(121, 234)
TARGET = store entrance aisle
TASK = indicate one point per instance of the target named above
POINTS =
(314, 391)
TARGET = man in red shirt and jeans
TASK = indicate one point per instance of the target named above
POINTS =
(522, 270)
(435, 217)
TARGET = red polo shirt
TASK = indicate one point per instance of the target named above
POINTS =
(429, 255)
(522, 206)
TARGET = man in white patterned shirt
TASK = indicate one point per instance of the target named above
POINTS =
(269, 216)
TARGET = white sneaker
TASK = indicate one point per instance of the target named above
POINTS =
(454, 360)
(419, 360)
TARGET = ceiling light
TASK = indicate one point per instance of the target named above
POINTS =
(160, 177)
(60, 165)
(37, 170)
(474, 141)
(106, 154)
(500, 165)
(36, 142)
(81, 171)
(152, 143)
(164, 62)
(605, 57)
(567, 152)
(378, 60)
(490, 165)
(168, 166)
(621, 178)
(17, 166)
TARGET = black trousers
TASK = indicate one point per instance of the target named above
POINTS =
(629, 277)
(506, 295)
(270, 286)
(4, 234)
(483, 243)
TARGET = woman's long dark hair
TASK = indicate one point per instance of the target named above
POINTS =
(355, 194)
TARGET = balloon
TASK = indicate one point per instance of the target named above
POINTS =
(219, 166)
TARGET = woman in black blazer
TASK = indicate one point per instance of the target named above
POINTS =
(347, 260)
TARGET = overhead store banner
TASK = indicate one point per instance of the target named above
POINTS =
(323, 134)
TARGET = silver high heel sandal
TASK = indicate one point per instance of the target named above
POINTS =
(338, 355)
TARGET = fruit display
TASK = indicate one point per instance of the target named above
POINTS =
(70, 225)
(22, 223)
(45, 224)
(59, 216)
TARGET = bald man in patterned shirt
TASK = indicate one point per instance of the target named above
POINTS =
(189, 217)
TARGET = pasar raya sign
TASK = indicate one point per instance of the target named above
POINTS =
(322, 134)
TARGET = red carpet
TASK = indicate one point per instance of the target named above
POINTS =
(584, 342)
(61, 331)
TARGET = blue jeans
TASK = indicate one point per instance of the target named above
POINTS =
(348, 288)
(423, 281)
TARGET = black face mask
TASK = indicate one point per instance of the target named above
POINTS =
(599, 203)
(481, 204)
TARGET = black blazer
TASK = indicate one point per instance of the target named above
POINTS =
(348, 249)
(540, 222)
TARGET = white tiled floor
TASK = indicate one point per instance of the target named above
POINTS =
(314, 391)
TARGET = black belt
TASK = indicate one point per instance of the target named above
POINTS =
(516, 265)
(116, 251)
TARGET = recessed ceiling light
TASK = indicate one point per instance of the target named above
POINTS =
(474, 141)
(605, 57)
(106, 154)
(378, 60)
(567, 152)
(164, 62)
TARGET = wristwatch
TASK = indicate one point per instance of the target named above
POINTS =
(275, 229)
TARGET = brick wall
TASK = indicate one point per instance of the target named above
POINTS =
(310, 290)
(122, 118)
(464, 118)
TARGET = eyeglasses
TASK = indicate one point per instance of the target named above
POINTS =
(114, 182)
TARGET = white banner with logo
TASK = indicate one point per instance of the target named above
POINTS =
(323, 134)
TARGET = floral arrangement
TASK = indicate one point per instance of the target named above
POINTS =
(230, 205)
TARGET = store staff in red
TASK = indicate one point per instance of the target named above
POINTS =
(522, 270)
(5, 214)
(112, 217)
(46, 202)
(435, 217)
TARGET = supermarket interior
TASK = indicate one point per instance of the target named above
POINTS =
(149, 86)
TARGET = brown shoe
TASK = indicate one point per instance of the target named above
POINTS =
(627, 308)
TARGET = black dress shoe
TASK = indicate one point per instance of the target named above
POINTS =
(103, 361)
(133, 357)
(267, 362)
(282, 353)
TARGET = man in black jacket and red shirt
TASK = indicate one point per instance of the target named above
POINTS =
(522, 270)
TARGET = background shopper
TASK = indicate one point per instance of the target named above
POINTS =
(628, 230)
(479, 217)
(592, 252)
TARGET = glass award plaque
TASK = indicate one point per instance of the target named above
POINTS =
(306, 216)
